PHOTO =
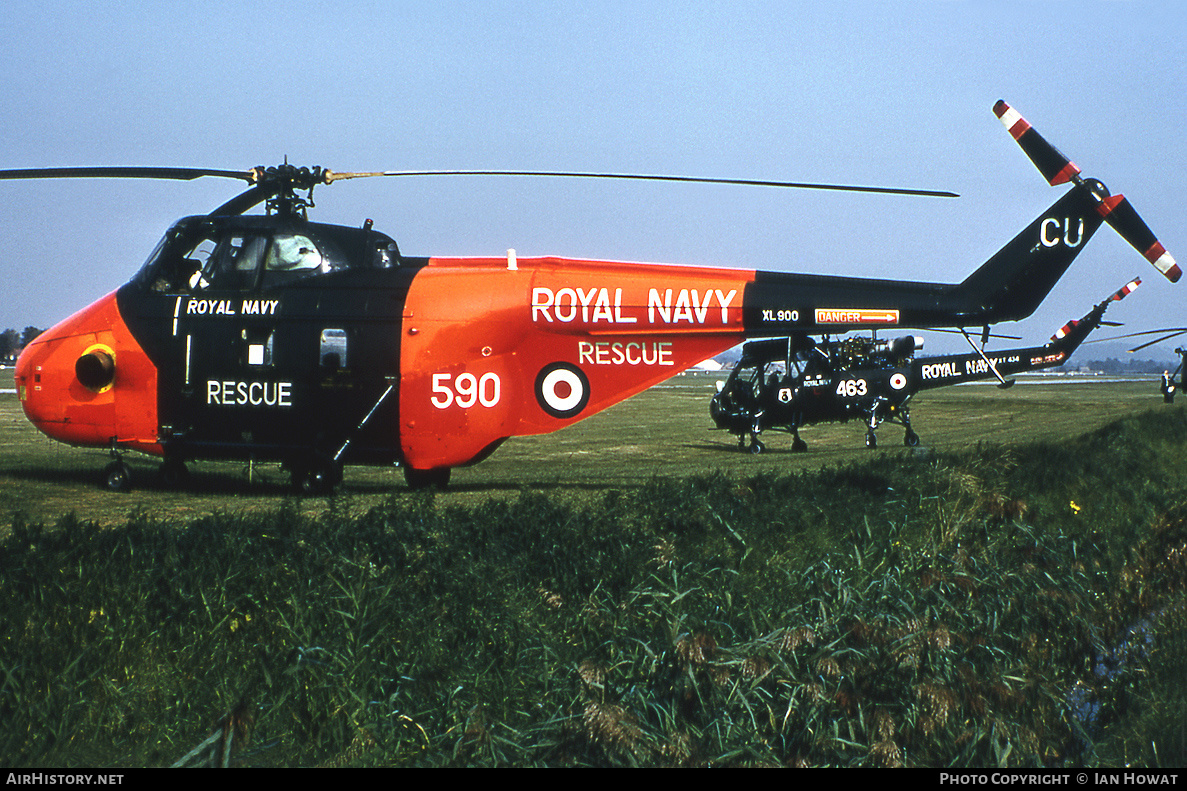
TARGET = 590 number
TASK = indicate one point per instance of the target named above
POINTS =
(466, 390)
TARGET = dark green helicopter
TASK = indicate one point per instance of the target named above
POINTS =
(783, 384)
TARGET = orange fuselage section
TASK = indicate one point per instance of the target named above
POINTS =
(494, 348)
(119, 410)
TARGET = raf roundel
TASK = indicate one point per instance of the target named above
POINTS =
(898, 381)
(562, 390)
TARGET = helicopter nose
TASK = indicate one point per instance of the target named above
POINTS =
(64, 381)
(71, 378)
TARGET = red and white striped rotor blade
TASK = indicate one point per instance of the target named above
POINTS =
(1124, 219)
(1126, 290)
(1119, 295)
(1054, 166)
(1116, 210)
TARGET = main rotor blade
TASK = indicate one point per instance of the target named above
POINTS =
(253, 176)
(1173, 331)
(1157, 340)
(331, 176)
(961, 332)
(178, 174)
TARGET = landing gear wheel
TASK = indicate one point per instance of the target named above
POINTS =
(798, 445)
(174, 473)
(910, 439)
(871, 440)
(320, 477)
(427, 479)
(117, 477)
(757, 447)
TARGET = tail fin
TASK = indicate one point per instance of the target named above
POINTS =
(1011, 284)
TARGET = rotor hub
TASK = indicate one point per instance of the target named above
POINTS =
(282, 182)
(1097, 188)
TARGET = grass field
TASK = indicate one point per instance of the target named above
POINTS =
(663, 432)
(631, 591)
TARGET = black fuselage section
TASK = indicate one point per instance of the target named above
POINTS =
(273, 338)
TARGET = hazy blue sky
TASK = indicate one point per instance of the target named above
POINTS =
(887, 93)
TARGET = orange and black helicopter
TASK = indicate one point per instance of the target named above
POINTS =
(273, 338)
(783, 384)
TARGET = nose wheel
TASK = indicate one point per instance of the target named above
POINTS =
(756, 445)
(117, 477)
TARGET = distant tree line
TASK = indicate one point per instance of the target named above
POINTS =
(1114, 366)
(11, 342)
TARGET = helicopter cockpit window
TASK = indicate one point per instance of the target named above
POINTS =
(774, 378)
(291, 253)
(231, 265)
(191, 264)
(177, 265)
(813, 361)
(386, 255)
(293, 256)
(747, 381)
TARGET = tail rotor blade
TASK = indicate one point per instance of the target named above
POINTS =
(1125, 290)
(1120, 214)
(1099, 310)
(1054, 166)
(1115, 209)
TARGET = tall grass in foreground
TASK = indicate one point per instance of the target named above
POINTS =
(1018, 606)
